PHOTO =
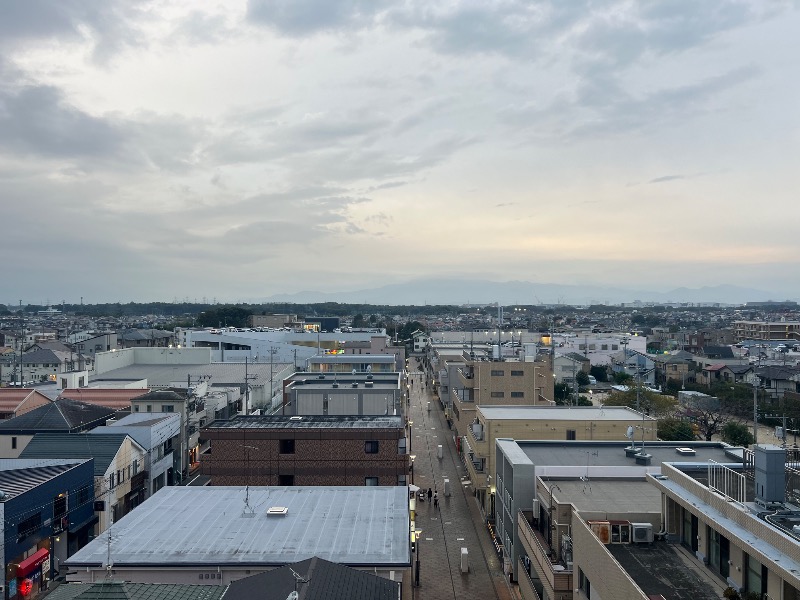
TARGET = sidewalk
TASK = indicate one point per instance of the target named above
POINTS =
(457, 522)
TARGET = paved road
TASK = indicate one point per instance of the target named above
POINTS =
(457, 522)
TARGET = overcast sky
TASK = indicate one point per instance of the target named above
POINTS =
(235, 149)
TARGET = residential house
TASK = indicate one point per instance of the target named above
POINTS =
(636, 364)
(119, 477)
(775, 381)
(18, 401)
(192, 413)
(116, 398)
(43, 364)
(160, 435)
(145, 338)
(673, 367)
(60, 416)
(567, 366)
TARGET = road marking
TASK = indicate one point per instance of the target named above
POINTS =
(459, 539)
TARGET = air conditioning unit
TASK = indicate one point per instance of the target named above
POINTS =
(535, 508)
(642, 533)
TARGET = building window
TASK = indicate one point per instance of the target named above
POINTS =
(401, 480)
(517, 394)
(111, 481)
(371, 481)
(287, 480)
(719, 551)
(604, 346)
(498, 394)
(583, 583)
(287, 446)
(167, 408)
(615, 346)
(135, 408)
(371, 447)
(571, 434)
(517, 373)
(13, 443)
(149, 408)
(497, 373)
(29, 526)
(401, 445)
(756, 576)
(83, 496)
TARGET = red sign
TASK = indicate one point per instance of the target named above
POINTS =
(25, 587)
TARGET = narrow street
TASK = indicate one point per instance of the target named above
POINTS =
(457, 522)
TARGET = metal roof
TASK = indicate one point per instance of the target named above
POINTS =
(310, 422)
(225, 373)
(207, 526)
(17, 476)
(101, 447)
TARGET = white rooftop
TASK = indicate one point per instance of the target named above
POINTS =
(354, 526)
(562, 413)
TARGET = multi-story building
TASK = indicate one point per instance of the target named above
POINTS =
(307, 450)
(599, 348)
(347, 363)
(120, 481)
(767, 330)
(343, 394)
(539, 423)
(484, 380)
(519, 463)
(47, 515)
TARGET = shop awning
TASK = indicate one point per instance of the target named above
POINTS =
(30, 564)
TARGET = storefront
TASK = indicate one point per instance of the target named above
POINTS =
(29, 576)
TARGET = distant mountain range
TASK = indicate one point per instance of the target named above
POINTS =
(463, 291)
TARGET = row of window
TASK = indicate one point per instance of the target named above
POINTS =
(117, 478)
(288, 480)
(164, 408)
(502, 373)
(503, 394)
(287, 446)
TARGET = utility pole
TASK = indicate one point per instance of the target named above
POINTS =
(755, 415)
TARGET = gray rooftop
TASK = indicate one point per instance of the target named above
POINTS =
(388, 359)
(310, 422)
(562, 413)
(226, 373)
(608, 495)
(101, 447)
(185, 526)
(118, 590)
(586, 454)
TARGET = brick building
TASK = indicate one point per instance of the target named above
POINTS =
(307, 450)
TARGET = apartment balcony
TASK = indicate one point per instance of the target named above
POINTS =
(526, 588)
(466, 378)
(556, 578)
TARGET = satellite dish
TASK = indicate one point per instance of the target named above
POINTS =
(629, 433)
(354, 371)
(369, 368)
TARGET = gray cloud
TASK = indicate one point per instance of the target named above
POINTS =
(302, 17)
(666, 178)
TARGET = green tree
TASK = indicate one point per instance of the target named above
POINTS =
(581, 378)
(599, 372)
(358, 321)
(653, 404)
(671, 429)
(621, 378)
(736, 434)
(225, 316)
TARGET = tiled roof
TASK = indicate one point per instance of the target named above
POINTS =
(123, 590)
(61, 415)
(326, 579)
(102, 448)
(111, 397)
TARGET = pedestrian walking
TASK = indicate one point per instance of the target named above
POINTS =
(430, 493)
(436, 499)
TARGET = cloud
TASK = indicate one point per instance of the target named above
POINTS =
(304, 17)
(666, 178)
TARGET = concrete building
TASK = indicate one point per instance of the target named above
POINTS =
(599, 348)
(230, 532)
(782, 331)
(275, 321)
(347, 363)
(307, 450)
(484, 380)
(345, 394)
(46, 510)
(539, 423)
(742, 534)
(519, 463)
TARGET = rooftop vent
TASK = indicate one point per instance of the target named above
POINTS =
(369, 384)
(369, 376)
(686, 451)
(355, 384)
(277, 511)
(321, 376)
(336, 385)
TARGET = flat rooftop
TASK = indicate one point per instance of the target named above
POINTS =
(666, 569)
(310, 422)
(611, 495)
(588, 454)
(388, 359)
(205, 526)
(562, 413)
(222, 374)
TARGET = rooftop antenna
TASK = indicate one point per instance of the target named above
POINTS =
(247, 511)
(629, 434)
(298, 579)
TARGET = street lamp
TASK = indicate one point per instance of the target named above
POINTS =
(410, 423)
(412, 457)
